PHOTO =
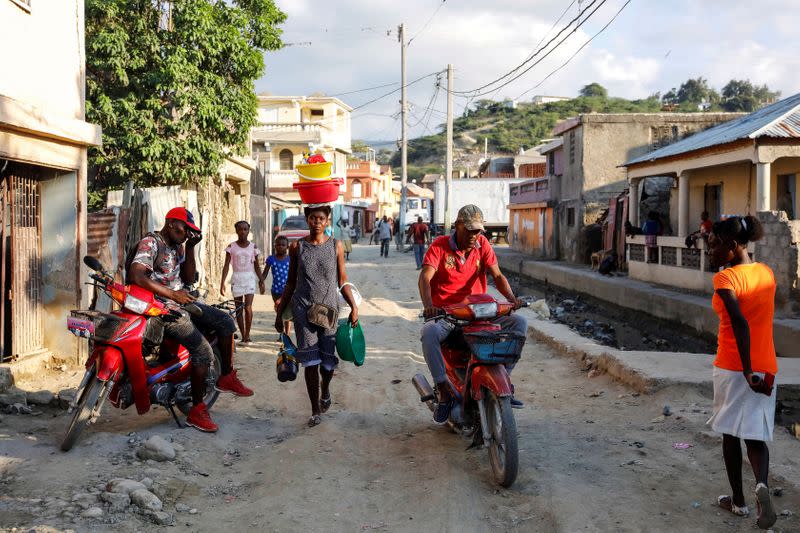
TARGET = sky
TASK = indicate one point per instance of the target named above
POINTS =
(652, 45)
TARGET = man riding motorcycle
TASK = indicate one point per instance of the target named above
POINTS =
(455, 267)
(162, 265)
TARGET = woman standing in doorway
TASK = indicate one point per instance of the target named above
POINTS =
(316, 271)
(745, 366)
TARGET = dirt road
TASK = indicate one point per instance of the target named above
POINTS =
(594, 457)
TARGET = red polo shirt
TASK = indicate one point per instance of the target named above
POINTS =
(457, 276)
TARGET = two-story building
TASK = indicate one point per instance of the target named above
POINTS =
(594, 146)
(289, 127)
(43, 171)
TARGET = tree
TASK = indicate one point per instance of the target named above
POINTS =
(594, 89)
(694, 91)
(172, 85)
(742, 95)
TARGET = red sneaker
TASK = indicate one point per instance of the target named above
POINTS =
(230, 383)
(199, 418)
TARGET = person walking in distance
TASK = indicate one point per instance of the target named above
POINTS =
(745, 366)
(243, 255)
(278, 263)
(376, 234)
(385, 233)
(397, 234)
(421, 235)
(316, 271)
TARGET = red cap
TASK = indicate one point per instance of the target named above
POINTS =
(180, 213)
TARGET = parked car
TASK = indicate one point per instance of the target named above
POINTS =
(294, 228)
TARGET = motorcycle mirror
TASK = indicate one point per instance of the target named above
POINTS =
(93, 263)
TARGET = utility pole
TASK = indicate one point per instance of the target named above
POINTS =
(404, 135)
(448, 165)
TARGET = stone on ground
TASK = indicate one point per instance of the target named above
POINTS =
(124, 486)
(157, 449)
(144, 499)
(117, 502)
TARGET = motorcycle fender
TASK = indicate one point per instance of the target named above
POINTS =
(493, 377)
(109, 362)
(137, 375)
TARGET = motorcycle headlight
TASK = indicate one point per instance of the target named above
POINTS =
(136, 305)
(484, 310)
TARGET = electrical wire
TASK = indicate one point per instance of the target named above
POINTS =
(474, 93)
(396, 90)
(425, 26)
(367, 89)
(578, 50)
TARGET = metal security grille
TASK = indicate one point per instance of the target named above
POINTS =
(26, 264)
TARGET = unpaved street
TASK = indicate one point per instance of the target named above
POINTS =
(594, 456)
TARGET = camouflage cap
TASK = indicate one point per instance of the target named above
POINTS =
(471, 216)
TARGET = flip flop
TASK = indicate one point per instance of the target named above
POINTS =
(766, 514)
(726, 502)
(315, 420)
(325, 404)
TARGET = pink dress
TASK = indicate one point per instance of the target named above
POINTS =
(244, 279)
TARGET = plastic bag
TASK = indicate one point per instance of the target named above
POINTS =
(356, 296)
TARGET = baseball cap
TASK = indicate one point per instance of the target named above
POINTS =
(472, 217)
(181, 213)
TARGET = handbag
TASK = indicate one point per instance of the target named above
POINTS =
(322, 315)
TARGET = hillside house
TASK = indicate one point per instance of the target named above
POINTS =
(746, 166)
(594, 146)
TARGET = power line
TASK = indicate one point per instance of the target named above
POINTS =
(396, 90)
(477, 91)
(367, 89)
(425, 26)
(578, 50)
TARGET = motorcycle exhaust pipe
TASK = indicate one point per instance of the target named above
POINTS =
(425, 390)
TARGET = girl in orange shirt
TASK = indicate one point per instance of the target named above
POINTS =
(744, 403)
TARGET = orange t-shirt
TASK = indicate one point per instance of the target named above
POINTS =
(754, 285)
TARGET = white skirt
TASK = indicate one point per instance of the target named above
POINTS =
(243, 283)
(738, 410)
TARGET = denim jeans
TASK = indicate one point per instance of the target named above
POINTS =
(435, 332)
(385, 247)
(419, 254)
(187, 330)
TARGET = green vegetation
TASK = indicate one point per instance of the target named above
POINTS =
(509, 129)
(172, 85)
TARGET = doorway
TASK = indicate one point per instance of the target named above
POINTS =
(787, 195)
(713, 201)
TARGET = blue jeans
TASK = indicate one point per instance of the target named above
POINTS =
(435, 332)
(385, 247)
(419, 254)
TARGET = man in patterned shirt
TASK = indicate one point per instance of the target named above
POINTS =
(163, 265)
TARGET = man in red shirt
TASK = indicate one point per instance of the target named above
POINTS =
(454, 268)
(422, 236)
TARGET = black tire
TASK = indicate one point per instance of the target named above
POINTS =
(212, 393)
(88, 401)
(503, 450)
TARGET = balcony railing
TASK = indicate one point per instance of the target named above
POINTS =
(530, 192)
(281, 179)
(291, 126)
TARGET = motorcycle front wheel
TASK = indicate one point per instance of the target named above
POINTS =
(83, 411)
(503, 451)
(212, 393)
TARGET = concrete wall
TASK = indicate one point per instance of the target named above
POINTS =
(42, 62)
(778, 249)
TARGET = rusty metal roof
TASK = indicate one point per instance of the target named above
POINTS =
(778, 120)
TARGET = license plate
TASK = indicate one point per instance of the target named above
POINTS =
(80, 327)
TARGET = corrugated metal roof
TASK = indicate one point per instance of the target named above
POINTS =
(781, 119)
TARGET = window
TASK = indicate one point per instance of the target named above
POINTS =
(317, 113)
(287, 159)
(571, 216)
(663, 135)
(551, 163)
(572, 147)
(424, 203)
(356, 189)
(412, 203)
(542, 185)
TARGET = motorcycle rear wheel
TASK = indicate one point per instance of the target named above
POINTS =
(214, 370)
(503, 450)
(83, 411)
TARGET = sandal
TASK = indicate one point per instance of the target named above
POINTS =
(726, 502)
(325, 404)
(315, 420)
(766, 514)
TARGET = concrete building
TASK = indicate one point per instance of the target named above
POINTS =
(540, 99)
(43, 142)
(594, 146)
(746, 166)
(288, 127)
(530, 163)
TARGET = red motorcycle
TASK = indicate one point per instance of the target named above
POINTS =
(130, 362)
(474, 355)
